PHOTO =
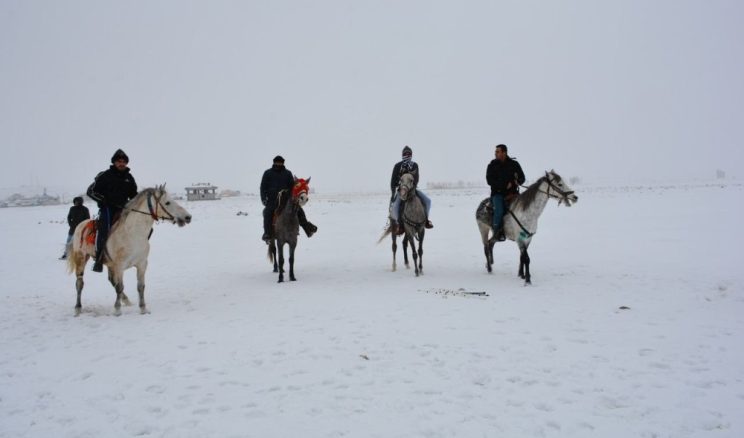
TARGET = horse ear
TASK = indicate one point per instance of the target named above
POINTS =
(308, 179)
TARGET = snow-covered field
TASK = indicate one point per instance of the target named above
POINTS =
(353, 349)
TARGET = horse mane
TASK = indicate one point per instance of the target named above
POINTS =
(132, 204)
(282, 200)
(528, 196)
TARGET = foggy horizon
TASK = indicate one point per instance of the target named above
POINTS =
(195, 92)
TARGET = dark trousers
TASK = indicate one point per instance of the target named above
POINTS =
(106, 217)
(268, 218)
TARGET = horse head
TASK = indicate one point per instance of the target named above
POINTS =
(301, 190)
(559, 189)
(407, 188)
(162, 206)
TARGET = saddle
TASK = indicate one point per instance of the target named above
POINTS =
(89, 233)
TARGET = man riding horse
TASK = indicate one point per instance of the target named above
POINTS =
(504, 175)
(112, 189)
(274, 180)
(406, 165)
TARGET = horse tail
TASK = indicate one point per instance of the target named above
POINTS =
(75, 258)
(388, 230)
(271, 254)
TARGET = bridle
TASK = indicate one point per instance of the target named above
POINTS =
(408, 190)
(563, 194)
(153, 208)
(551, 185)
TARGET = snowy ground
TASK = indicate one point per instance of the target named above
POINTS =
(353, 349)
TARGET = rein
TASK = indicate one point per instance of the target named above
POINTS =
(153, 212)
(563, 197)
(411, 191)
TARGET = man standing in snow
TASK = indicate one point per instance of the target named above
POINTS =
(112, 189)
(274, 180)
(504, 175)
(78, 213)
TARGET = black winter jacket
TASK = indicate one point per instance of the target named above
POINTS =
(113, 188)
(499, 175)
(273, 181)
(77, 214)
(398, 171)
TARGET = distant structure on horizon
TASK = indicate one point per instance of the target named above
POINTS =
(18, 200)
(201, 192)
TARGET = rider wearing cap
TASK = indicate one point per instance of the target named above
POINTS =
(274, 180)
(112, 189)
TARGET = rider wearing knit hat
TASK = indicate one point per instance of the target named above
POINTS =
(406, 165)
(112, 189)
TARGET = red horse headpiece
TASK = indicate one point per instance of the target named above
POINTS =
(301, 185)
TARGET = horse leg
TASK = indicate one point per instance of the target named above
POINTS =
(527, 277)
(421, 252)
(395, 248)
(524, 265)
(280, 250)
(117, 280)
(79, 283)
(414, 254)
(405, 251)
(487, 245)
(291, 262)
(124, 297)
(141, 269)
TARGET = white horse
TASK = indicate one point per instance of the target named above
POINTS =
(520, 218)
(128, 242)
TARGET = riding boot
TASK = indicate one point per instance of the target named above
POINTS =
(98, 264)
(309, 228)
(498, 233)
(429, 224)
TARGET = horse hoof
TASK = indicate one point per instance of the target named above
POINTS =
(77, 311)
(117, 312)
(275, 270)
(292, 279)
(281, 280)
(144, 311)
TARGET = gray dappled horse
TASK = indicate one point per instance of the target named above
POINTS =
(287, 226)
(520, 218)
(128, 243)
(413, 219)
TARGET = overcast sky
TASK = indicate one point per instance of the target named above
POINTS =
(210, 91)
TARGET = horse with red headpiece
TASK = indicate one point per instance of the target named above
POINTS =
(287, 226)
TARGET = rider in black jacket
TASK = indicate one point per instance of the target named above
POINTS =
(406, 165)
(504, 175)
(112, 189)
(274, 180)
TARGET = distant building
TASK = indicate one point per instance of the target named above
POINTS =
(18, 200)
(201, 192)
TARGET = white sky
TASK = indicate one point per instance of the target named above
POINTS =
(211, 91)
